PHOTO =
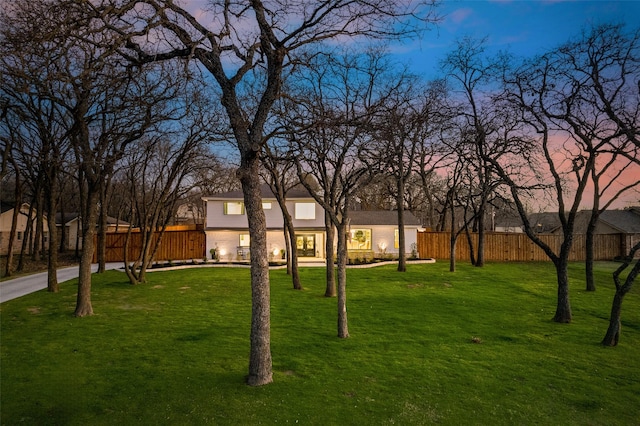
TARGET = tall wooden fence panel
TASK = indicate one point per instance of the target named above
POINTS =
(516, 247)
(176, 244)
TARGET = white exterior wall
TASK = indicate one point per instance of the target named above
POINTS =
(227, 243)
(227, 229)
(385, 234)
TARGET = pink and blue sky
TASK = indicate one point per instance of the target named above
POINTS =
(523, 27)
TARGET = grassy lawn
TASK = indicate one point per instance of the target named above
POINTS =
(175, 351)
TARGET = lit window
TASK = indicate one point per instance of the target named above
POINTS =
(266, 206)
(360, 239)
(305, 210)
(396, 240)
(236, 207)
(244, 240)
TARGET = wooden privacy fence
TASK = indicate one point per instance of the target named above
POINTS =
(178, 243)
(515, 247)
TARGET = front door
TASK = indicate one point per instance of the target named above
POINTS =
(306, 245)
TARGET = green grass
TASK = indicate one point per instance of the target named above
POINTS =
(175, 351)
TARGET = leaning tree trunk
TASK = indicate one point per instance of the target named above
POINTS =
(343, 328)
(260, 363)
(613, 332)
(293, 253)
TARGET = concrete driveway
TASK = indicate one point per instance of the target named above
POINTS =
(20, 286)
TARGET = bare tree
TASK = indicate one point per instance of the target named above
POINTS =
(246, 47)
(282, 177)
(471, 73)
(603, 66)
(29, 81)
(333, 133)
(403, 131)
(537, 89)
(612, 336)
(161, 171)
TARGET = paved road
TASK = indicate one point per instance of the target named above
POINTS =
(18, 287)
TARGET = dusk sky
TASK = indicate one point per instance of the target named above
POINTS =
(523, 27)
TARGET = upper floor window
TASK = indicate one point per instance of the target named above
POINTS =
(266, 205)
(234, 207)
(305, 210)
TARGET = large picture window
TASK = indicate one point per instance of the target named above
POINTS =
(359, 239)
(235, 207)
(305, 210)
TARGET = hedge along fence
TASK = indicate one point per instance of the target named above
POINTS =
(178, 243)
(517, 247)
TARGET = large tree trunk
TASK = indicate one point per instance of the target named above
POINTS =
(330, 290)
(453, 238)
(343, 328)
(90, 217)
(589, 255)
(260, 363)
(563, 307)
(452, 251)
(102, 228)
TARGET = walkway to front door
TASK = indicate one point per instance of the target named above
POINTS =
(306, 245)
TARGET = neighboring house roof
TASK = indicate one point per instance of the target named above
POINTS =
(68, 217)
(71, 217)
(5, 207)
(544, 222)
(381, 217)
(625, 221)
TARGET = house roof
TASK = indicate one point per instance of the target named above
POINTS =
(298, 191)
(381, 217)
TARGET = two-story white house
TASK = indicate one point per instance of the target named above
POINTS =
(226, 227)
